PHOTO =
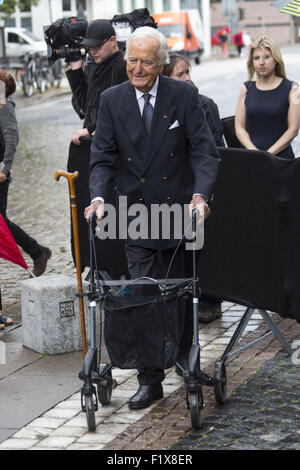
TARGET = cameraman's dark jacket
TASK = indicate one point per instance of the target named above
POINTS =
(86, 92)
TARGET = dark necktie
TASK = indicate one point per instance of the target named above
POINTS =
(147, 112)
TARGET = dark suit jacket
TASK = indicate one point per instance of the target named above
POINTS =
(167, 167)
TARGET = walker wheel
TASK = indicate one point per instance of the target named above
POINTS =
(104, 389)
(220, 387)
(104, 393)
(195, 404)
(90, 412)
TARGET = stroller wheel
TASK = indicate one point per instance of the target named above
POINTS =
(195, 404)
(220, 387)
(90, 412)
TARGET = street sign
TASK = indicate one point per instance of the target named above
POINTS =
(228, 8)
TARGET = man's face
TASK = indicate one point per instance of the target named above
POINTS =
(143, 63)
(100, 53)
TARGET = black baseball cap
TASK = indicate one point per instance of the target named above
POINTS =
(97, 32)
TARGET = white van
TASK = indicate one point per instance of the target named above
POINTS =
(19, 41)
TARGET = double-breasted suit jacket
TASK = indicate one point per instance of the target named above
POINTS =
(177, 159)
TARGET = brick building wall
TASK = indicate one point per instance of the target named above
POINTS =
(260, 18)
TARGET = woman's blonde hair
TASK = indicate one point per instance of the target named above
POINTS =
(266, 43)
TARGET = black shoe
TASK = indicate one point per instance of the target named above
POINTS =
(205, 379)
(145, 395)
(40, 263)
(181, 367)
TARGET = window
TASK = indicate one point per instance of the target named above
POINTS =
(66, 5)
(26, 23)
(83, 4)
(149, 5)
(10, 22)
(120, 6)
(171, 31)
(133, 7)
(25, 6)
(13, 37)
(167, 5)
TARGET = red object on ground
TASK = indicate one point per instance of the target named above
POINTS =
(8, 248)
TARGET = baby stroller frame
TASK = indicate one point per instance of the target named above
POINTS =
(99, 374)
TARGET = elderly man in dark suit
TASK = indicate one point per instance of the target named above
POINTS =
(153, 140)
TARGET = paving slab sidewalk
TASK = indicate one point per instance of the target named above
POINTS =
(62, 425)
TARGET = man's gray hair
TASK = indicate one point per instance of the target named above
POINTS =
(154, 34)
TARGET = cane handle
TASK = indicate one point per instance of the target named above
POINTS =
(71, 177)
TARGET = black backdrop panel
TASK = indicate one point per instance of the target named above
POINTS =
(251, 253)
(110, 253)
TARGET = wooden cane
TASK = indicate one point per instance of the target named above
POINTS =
(71, 177)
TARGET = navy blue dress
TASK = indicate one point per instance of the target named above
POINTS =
(266, 115)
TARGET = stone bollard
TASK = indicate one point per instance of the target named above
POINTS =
(50, 314)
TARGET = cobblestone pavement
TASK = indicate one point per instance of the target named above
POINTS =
(263, 414)
(167, 421)
(45, 214)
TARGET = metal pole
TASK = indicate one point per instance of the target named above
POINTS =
(205, 7)
(50, 11)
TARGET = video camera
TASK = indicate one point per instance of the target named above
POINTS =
(64, 37)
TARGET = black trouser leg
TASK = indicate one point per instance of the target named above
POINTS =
(26, 242)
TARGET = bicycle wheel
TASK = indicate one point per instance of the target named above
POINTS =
(90, 412)
(27, 85)
(41, 83)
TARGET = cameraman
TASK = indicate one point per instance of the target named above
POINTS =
(109, 70)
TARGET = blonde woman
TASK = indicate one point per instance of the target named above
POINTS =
(268, 109)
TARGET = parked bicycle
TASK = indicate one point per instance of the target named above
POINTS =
(29, 74)
(38, 75)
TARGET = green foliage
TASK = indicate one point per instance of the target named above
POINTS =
(8, 6)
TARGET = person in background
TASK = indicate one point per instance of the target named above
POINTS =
(215, 43)
(223, 35)
(247, 41)
(238, 41)
(3, 319)
(179, 68)
(268, 109)
(109, 70)
(9, 137)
